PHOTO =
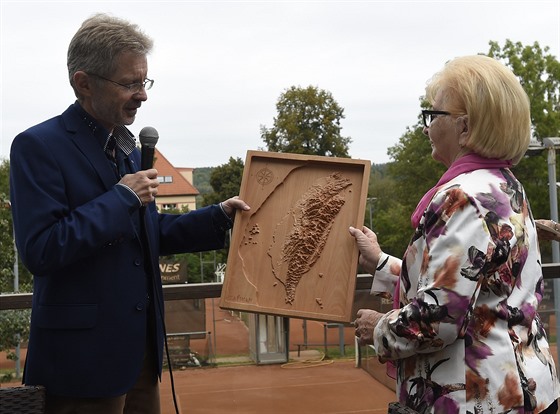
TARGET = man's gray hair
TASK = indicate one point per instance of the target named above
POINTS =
(100, 40)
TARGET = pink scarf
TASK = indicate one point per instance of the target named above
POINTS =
(467, 163)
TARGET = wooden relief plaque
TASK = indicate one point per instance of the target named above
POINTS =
(292, 254)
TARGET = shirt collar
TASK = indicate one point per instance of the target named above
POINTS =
(125, 139)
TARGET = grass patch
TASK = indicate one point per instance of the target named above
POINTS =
(8, 375)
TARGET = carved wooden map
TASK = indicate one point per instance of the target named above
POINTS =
(291, 254)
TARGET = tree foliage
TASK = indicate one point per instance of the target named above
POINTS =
(217, 184)
(201, 181)
(413, 168)
(539, 73)
(6, 239)
(385, 214)
(14, 324)
(308, 122)
(225, 181)
(413, 171)
(7, 248)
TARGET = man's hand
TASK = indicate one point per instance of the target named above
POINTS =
(144, 183)
(370, 251)
(232, 204)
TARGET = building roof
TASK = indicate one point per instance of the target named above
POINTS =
(177, 185)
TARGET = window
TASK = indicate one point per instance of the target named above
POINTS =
(165, 179)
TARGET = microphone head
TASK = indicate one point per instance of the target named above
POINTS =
(149, 137)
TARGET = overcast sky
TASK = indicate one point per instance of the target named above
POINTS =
(220, 66)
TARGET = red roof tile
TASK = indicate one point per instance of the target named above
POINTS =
(179, 185)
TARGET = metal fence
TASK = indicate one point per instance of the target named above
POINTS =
(214, 290)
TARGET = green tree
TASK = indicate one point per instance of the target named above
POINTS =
(201, 181)
(539, 73)
(388, 216)
(225, 181)
(308, 122)
(218, 184)
(6, 238)
(413, 171)
(14, 324)
(7, 250)
(413, 167)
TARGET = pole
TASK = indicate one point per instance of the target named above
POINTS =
(370, 217)
(551, 161)
(214, 328)
(16, 265)
(16, 290)
(553, 195)
(201, 268)
(370, 202)
(8, 205)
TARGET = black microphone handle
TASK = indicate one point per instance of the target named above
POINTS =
(148, 139)
(147, 161)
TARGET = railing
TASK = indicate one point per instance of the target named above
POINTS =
(214, 290)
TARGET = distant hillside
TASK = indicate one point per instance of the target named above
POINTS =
(201, 181)
(201, 178)
(381, 169)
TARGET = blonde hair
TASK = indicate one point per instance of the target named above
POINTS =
(498, 109)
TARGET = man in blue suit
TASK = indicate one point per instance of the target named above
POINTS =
(87, 228)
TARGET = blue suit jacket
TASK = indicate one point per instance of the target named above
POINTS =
(75, 232)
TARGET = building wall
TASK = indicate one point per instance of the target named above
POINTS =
(179, 201)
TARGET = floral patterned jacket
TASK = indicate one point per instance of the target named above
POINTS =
(467, 337)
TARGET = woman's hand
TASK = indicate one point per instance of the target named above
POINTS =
(365, 324)
(370, 252)
(548, 230)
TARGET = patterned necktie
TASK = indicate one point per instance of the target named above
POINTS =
(116, 156)
(110, 148)
(121, 165)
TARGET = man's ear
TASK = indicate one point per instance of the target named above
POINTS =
(83, 83)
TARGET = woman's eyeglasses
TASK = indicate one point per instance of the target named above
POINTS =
(429, 115)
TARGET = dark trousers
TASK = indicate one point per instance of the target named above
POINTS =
(142, 398)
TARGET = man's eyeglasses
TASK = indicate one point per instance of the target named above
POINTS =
(132, 87)
(429, 115)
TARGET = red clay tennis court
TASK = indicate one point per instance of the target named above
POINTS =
(306, 384)
(337, 387)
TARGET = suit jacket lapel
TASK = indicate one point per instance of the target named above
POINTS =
(88, 144)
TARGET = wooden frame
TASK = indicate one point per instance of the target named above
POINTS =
(292, 254)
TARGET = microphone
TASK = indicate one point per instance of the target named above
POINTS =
(148, 138)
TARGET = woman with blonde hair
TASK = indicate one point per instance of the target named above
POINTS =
(464, 333)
